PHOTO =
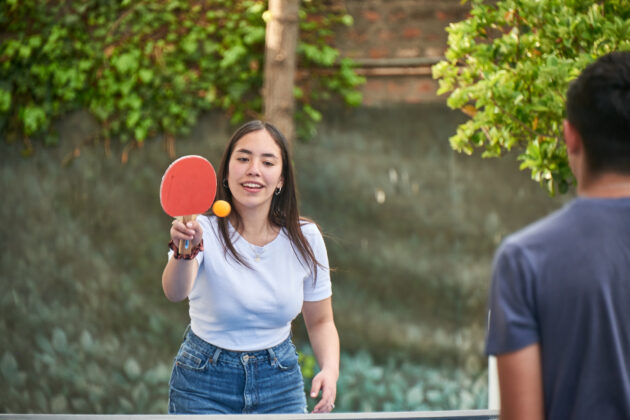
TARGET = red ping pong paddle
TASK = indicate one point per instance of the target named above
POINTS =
(188, 188)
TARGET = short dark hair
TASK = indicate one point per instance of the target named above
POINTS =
(598, 106)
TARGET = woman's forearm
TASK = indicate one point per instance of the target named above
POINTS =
(322, 333)
(178, 278)
(325, 343)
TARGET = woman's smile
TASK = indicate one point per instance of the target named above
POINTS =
(252, 186)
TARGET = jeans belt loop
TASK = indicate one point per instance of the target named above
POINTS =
(272, 357)
(215, 356)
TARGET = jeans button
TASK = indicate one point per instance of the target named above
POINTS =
(245, 358)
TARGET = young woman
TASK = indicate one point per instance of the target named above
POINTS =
(250, 275)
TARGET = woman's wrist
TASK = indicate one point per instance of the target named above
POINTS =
(331, 371)
(193, 252)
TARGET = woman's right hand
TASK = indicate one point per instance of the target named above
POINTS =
(190, 231)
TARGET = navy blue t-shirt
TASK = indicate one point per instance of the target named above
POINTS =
(564, 282)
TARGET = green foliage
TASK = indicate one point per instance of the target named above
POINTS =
(314, 52)
(406, 386)
(398, 385)
(80, 301)
(85, 326)
(143, 68)
(508, 67)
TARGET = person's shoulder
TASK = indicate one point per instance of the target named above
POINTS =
(309, 227)
(545, 230)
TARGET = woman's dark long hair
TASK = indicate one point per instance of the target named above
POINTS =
(283, 212)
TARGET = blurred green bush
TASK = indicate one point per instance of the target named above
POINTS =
(400, 385)
(410, 227)
(84, 328)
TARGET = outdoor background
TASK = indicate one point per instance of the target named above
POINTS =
(410, 226)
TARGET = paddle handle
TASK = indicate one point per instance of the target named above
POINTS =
(185, 246)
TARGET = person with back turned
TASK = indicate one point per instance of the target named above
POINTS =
(559, 306)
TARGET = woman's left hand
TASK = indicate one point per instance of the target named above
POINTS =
(327, 383)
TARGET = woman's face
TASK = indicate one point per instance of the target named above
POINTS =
(255, 171)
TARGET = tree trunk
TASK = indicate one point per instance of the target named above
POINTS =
(280, 57)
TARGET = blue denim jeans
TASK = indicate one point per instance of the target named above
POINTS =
(209, 380)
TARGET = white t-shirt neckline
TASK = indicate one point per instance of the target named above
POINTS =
(251, 308)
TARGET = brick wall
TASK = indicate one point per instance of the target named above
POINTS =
(395, 43)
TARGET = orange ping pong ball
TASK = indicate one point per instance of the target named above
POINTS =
(221, 208)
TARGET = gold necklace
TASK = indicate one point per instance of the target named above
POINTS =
(258, 251)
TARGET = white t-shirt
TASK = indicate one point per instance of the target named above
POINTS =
(239, 308)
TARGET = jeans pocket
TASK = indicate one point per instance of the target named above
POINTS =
(189, 358)
(287, 358)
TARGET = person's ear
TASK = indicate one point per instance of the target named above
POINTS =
(572, 138)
